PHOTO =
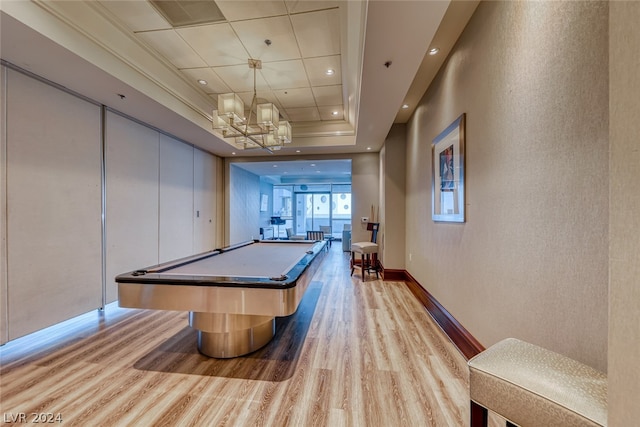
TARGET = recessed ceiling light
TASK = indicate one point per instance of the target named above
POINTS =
(202, 82)
(330, 72)
(275, 166)
(405, 106)
(312, 165)
(433, 51)
(334, 113)
(297, 151)
(233, 153)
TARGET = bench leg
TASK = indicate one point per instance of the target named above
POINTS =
(479, 415)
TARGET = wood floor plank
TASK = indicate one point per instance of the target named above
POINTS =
(354, 354)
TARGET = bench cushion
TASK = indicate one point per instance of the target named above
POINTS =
(364, 247)
(530, 385)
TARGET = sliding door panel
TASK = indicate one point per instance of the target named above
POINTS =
(4, 331)
(54, 259)
(132, 172)
(204, 201)
(176, 199)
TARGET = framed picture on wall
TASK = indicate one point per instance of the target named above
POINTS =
(264, 203)
(447, 173)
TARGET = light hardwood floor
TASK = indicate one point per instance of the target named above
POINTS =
(354, 354)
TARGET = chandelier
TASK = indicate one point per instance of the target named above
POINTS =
(261, 129)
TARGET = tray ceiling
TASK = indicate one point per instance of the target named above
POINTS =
(171, 73)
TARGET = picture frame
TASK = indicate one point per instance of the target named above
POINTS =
(264, 202)
(447, 173)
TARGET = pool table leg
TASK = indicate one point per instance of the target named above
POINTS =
(231, 335)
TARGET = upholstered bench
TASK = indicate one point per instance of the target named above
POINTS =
(531, 386)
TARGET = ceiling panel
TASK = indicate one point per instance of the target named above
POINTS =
(318, 33)
(137, 15)
(241, 10)
(216, 44)
(317, 70)
(214, 83)
(277, 30)
(331, 112)
(328, 95)
(240, 78)
(262, 97)
(306, 114)
(173, 48)
(285, 74)
(294, 98)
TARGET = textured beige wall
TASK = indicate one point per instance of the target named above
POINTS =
(624, 258)
(365, 192)
(382, 219)
(392, 204)
(531, 260)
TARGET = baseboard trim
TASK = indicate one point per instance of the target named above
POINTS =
(460, 337)
(395, 275)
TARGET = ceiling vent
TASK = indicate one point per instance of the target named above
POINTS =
(185, 13)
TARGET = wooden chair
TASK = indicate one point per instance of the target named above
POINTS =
(317, 236)
(326, 229)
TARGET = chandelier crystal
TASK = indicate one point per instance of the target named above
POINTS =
(261, 129)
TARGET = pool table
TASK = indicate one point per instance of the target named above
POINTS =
(232, 294)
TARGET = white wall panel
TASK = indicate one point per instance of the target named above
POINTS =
(176, 199)
(54, 205)
(132, 172)
(204, 201)
(244, 205)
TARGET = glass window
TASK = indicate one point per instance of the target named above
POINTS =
(282, 201)
(306, 207)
